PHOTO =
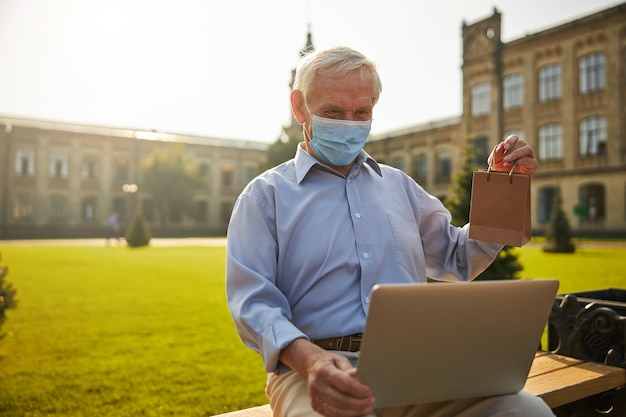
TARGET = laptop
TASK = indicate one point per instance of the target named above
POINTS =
(445, 341)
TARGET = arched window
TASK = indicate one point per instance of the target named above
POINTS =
(550, 142)
(591, 72)
(481, 151)
(420, 167)
(398, 162)
(481, 99)
(513, 91)
(58, 207)
(89, 209)
(592, 136)
(591, 198)
(550, 83)
(443, 164)
(546, 202)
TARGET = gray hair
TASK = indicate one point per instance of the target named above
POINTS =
(341, 60)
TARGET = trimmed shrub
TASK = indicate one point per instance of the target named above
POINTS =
(138, 233)
(7, 296)
(558, 235)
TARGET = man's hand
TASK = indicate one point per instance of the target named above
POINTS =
(331, 380)
(513, 149)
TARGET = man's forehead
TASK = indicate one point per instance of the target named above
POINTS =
(327, 86)
(359, 77)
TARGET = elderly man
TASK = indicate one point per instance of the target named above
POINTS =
(309, 238)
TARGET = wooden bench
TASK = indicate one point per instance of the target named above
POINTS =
(557, 379)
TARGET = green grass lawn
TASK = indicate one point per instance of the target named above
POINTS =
(112, 331)
(589, 268)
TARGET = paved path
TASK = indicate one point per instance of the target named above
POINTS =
(221, 241)
(156, 242)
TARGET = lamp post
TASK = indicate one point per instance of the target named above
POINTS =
(130, 189)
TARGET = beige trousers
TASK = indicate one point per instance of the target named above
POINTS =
(289, 398)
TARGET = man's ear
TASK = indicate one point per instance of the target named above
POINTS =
(297, 106)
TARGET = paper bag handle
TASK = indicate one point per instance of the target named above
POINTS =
(510, 172)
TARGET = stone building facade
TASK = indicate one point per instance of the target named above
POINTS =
(65, 180)
(562, 89)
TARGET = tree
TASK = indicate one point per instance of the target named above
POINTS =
(558, 236)
(506, 264)
(283, 149)
(171, 177)
(458, 202)
(7, 295)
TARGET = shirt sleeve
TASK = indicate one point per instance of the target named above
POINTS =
(260, 311)
(450, 254)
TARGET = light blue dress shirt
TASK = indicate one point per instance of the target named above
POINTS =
(306, 245)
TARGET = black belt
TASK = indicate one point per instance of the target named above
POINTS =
(350, 343)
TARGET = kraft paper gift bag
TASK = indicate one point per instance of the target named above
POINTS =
(500, 208)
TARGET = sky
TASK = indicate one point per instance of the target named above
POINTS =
(222, 68)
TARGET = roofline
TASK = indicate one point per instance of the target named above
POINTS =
(571, 24)
(417, 128)
(129, 133)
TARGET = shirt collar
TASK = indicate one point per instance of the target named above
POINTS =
(303, 162)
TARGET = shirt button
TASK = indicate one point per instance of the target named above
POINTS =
(357, 215)
(367, 300)
(366, 255)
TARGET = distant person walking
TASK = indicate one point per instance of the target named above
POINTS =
(113, 228)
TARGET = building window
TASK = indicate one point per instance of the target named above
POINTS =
(228, 176)
(591, 72)
(592, 136)
(420, 167)
(203, 170)
(58, 207)
(398, 162)
(59, 164)
(202, 211)
(550, 83)
(481, 99)
(591, 198)
(25, 162)
(546, 203)
(513, 91)
(249, 174)
(89, 209)
(550, 142)
(227, 208)
(89, 168)
(480, 151)
(443, 164)
(119, 207)
(147, 208)
(176, 214)
(23, 208)
(122, 170)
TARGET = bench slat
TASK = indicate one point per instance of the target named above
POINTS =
(557, 379)
(566, 384)
(259, 411)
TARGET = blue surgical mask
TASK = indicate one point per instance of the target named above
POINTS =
(338, 142)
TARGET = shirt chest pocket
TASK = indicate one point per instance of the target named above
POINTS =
(407, 244)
